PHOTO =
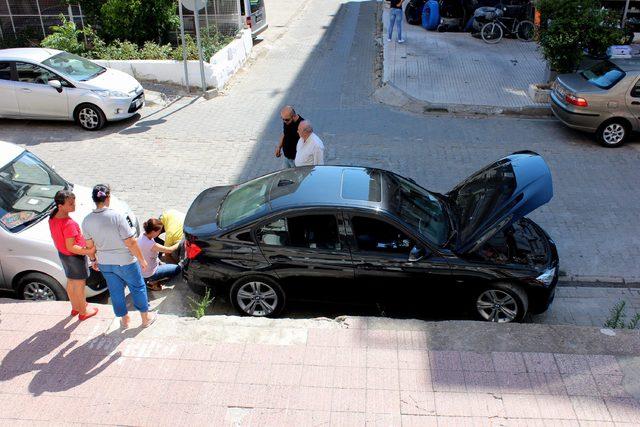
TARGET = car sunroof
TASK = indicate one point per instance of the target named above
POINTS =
(361, 184)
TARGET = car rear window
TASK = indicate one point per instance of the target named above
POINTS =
(604, 74)
(245, 201)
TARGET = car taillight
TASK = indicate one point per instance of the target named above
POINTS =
(191, 249)
(574, 100)
(249, 23)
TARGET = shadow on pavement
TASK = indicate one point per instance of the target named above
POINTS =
(71, 366)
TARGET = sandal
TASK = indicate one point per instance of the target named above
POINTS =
(154, 286)
(88, 314)
(151, 321)
(74, 312)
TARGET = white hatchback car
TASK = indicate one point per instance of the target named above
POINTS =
(29, 262)
(49, 84)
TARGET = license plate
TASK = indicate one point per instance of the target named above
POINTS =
(139, 102)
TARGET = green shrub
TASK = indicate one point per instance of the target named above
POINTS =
(572, 26)
(67, 37)
(152, 50)
(138, 20)
(120, 51)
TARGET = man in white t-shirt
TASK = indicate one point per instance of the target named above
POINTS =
(310, 149)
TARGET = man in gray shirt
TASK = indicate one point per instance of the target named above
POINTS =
(116, 253)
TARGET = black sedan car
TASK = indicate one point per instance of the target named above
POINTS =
(368, 235)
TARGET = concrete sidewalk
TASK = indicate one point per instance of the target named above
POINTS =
(224, 370)
(456, 72)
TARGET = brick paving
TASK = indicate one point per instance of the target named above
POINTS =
(324, 64)
(56, 370)
(456, 68)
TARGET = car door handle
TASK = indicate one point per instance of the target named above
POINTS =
(280, 258)
(24, 89)
(635, 102)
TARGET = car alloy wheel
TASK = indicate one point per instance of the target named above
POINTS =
(88, 118)
(257, 298)
(37, 291)
(613, 133)
(498, 306)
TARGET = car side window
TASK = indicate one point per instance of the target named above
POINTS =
(305, 231)
(30, 73)
(5, 70)
(635, 91)
(378, 236)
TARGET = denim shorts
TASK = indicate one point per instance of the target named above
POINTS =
(75, 266)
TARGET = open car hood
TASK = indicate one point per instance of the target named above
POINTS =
(497, 196)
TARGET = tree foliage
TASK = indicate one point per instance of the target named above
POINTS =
(571, 27)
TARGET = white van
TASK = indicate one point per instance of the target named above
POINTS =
(254, 15)
(29, 262)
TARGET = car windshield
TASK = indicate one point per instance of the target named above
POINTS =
(245, 201)
(603, 74)
(27, 188)
(419, 209)
(74, 66)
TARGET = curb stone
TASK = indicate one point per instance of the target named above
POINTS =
(391, 95)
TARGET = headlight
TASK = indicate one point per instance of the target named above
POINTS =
(547, 277)
(111, 94)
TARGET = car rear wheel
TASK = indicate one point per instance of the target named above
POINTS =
(501, 303)
(90, 117)
(40, 287)
(613, 133)
(257, 296)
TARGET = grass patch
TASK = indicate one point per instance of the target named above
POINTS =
(199, 308)
(617, 317)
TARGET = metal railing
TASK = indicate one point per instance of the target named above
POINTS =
(35, 17)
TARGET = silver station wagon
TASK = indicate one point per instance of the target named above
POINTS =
(603, 99)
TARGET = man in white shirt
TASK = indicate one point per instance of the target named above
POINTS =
(310, 149)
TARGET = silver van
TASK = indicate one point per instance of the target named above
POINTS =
(254, 15)
(29, 262)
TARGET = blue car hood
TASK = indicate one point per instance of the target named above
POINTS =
(497, 196)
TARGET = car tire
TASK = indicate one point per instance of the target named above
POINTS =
(257, 296)
(40, 287)
(90, 117)
(501, 303)
(613, 133)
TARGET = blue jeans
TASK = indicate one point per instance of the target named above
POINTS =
(289, 163)
(119, 276)
(395, 18)
(165, 271)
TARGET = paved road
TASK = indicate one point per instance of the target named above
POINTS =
(324, 63)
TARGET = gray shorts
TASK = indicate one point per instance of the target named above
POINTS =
(75, 266)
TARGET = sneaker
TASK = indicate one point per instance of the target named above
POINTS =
(388, 40)
(401, 41)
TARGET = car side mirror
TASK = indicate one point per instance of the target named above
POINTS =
(56, 85)
(417, 253)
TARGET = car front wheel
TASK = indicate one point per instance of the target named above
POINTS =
(40, 287)
(501, 303)
(257, 296)
(613, 133)
(90, 117)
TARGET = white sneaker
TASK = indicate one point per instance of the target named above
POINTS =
(388, 40)
(401, 41)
